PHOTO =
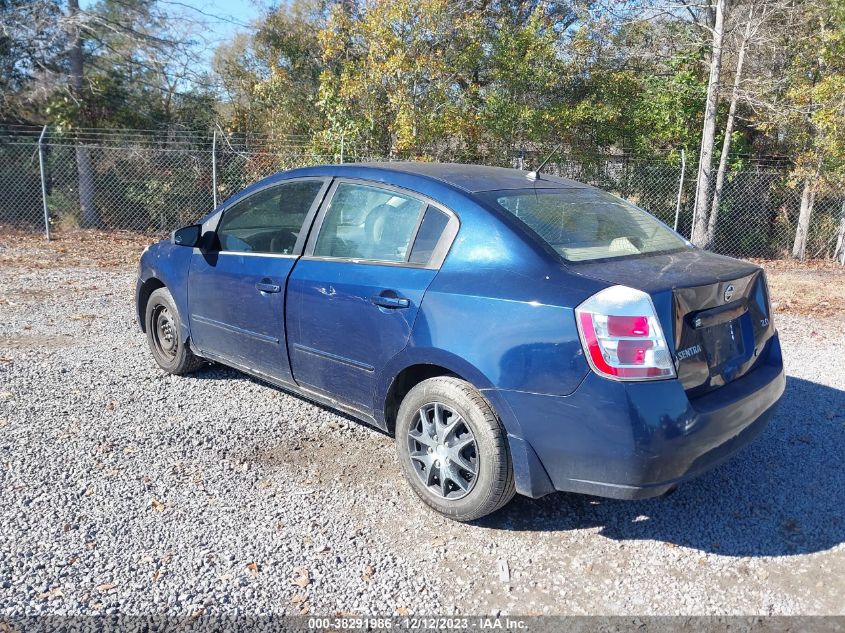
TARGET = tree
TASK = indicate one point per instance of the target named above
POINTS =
(518, 102)
(30, 44)
(119, 63)
(89, 216)
(708, 131)
(399, 74)
(815, 110)
(729, 130)
(794, 93)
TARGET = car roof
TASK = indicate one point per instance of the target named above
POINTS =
(474, 178)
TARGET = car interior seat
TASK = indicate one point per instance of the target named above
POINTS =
(386, 228)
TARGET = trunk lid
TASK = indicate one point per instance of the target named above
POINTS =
(713, 309)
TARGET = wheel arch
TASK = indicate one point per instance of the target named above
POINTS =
(404, 381)
(144, 291)
(408, 369)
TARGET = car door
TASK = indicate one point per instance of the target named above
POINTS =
(236, 287)
(353, 296)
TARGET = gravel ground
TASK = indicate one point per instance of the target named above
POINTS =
(127, 490)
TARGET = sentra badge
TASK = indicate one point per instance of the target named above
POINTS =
(689, 352)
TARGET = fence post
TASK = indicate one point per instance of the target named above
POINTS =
(342, 142)
(43, 183)
(680, 187)
(839, 251)
(214, 167)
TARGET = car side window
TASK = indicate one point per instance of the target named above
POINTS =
(432, 227)
(268, 221)
(366, 222)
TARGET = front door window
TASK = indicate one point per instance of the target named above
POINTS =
(268, 221)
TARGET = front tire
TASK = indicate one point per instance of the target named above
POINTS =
(453, 449)
(164, 335)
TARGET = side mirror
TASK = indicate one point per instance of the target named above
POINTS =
(187, 236)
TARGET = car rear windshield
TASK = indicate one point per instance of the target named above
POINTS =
(588, 224)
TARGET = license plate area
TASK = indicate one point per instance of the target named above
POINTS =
(723, 343)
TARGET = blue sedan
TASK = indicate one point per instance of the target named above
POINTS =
(515, 332)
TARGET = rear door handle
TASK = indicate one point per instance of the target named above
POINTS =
(390, 302)
(266, 285)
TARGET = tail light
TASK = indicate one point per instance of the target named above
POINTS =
(622, 337)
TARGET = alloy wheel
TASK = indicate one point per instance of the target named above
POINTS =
(443, 451)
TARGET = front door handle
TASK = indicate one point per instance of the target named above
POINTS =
(390, 302)
(267, 285)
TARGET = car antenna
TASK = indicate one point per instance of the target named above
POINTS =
(535, 175)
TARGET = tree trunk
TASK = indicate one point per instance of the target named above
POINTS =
(726, 143)
(808, 198)
(708, 132)
(839, 251)
(89, 216)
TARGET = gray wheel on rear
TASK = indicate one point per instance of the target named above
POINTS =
(453, 449)
(443, 451)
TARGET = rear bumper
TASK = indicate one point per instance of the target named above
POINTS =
(638, 439)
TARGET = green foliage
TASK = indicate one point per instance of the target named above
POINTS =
(808, 103)
(410, 77)
(423, 78)
(137, 67)
(670, 109)
(518, 100)
(828, 95)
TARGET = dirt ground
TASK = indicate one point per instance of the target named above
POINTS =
(814, 288)
(84, 249)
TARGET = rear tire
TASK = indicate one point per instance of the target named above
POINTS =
(164, 335)
(453, 449)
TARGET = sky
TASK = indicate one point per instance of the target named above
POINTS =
(221, 18)
(224, 18)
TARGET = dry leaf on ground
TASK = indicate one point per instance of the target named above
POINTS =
(303, 578)
(53, 594)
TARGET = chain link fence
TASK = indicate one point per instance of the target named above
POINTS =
(153, 182)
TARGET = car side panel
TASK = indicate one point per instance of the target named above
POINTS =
(337, 337)
(232, 318)
(504, 306)
(515, 345)
(169, 264)
(499, 312)
(521, 334)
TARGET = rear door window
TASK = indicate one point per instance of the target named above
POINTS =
(364, 222)
(431, 229)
